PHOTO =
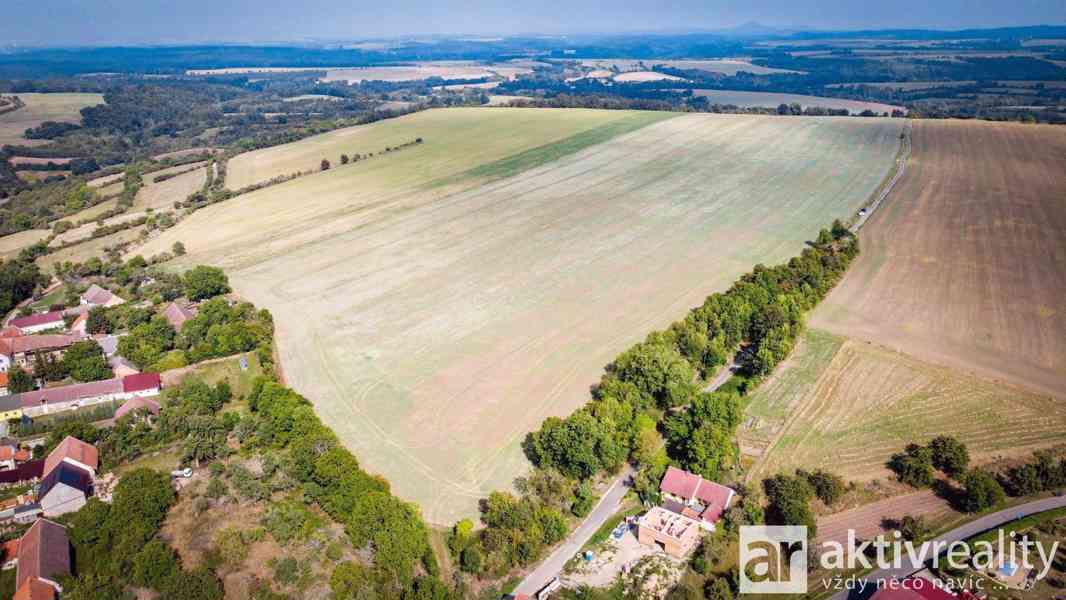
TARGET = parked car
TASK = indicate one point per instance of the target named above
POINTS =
(183, 473)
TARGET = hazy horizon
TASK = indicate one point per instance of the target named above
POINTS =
(115, 22)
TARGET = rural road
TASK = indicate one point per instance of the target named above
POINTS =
(970, 529)
(901, 163)
(609, 505)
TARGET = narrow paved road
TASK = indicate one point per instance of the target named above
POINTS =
(609, 505)
(985, 523)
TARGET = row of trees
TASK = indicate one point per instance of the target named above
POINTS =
(979, 489)
(762, 313)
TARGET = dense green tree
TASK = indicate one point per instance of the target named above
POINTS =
(18, 380)
(914, 466)
(980, 491)
(790, 502)
(202, 282)
(949, 455)
(146, 343)
(828, 487)
(85, 361)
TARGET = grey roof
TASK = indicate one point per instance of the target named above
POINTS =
(66, 473)
(10, 402)
(109, 344)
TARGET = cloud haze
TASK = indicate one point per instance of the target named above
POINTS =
(78, 22)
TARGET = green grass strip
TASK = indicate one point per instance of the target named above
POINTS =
(542, 155)
(1019, 525)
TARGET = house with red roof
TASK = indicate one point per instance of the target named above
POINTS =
(136, 404)
(20, 350)
(693, 496)
(49, 400)
(38, 322)
(74, 451)
(176, 315)
(43, 558)
(919, 586)
(98, 296)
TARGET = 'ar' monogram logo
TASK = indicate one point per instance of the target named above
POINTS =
(773, 559)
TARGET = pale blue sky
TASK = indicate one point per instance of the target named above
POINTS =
(76, 22)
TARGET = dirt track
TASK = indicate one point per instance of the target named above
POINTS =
(965, 265)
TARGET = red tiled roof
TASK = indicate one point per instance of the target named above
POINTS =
(22, 455)
(176, 315)
(7, 452)
(44, 551)
(140, 382)
(35, 589)
(714, 496)
(3, 379)
(38, 319)
(10, 331)
(96, 295)
(74, 449)
(32, 343)
(70, 393)
(137, 403)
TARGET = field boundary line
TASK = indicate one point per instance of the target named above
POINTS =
(895, 174)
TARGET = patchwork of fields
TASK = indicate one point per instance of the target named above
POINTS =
(951, 320)
(436, 303)
(965, 265)
(40, 108)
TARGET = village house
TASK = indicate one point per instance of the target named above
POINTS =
(75, 452)
(176, 315)
(11, 455)
(10, 407)
(43, 558)
(674, 533)
(693, 496)
(21, 350)
(122, 367)
(98, 296)
(133, 405)
(66, 488)
(39, 322)
(49, 400)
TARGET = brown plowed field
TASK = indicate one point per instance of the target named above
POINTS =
(965, 264)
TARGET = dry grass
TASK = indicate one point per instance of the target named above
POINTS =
(847, 406)
(89, 248)
(965, 265)
(642, 76)
(40, 108)
(727, 67)
(163, 195)
(12, 243)
(774, 99)
(434, 325)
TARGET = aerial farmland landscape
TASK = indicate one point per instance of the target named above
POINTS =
(444, 302)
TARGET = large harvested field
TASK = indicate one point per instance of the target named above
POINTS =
(436, 303)
(965, 265)
(40, 108)
(727, 67)
(774, 99)
(847, 406)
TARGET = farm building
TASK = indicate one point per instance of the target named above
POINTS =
(75, 452)
(674, 533)
(98, 296)
(43, 558)
(39, 322)
(693, 496)
(11, 456)
(48, 400)
(21, 350)
(64, 489)
(176, 315)
(10, 331)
